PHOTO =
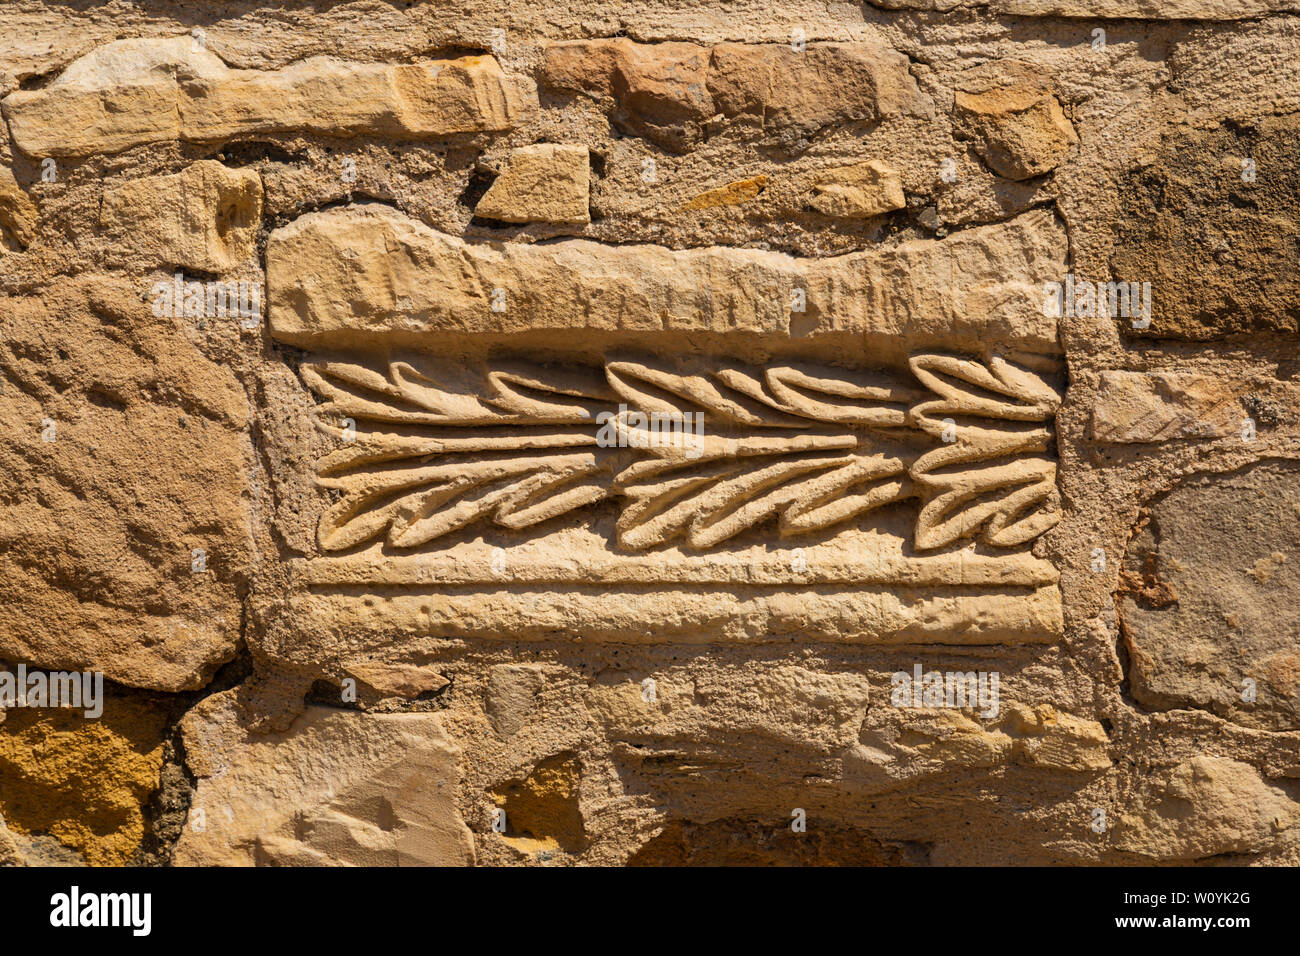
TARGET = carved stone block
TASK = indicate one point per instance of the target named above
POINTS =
(687, 446)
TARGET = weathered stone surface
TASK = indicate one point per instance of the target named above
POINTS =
(511, 696)
(866, 189)
(444, 539)
(1019, 131)
(1209, 219)
(1207, 806)
(658, 90)
(1107, 9)
(125, 452)
(18, 214)
(666, 91)
(337, 788)
(1208, 597)
(800, 92)
(1243, 74)
(136, 91)
(205, 218)
(796, 705)
(19, 849)
(370, 269)
(930, 742)
(83, 781)
(749, 843)
(1159, 406)
(401, 680)
(542, 810)
(1147, 9)
(544, 183)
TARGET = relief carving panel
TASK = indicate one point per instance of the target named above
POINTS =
(850, 480)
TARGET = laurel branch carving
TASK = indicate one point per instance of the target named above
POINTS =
(691, 452)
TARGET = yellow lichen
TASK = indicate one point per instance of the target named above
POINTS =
(84, 782)
(732, 194)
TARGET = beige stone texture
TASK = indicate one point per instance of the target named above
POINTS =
(1136, 407)
(345, 790)
(625, 400)
(1020, 132)
(1206, 601)
(18, 214)
(1208, 806)
(544, 183)
(867, 189)
(1225, 270)
(204, 218)
(667, 91)
(934, 742)
(1109, 9)
(399, 276)
(732, 194)
(139, 91)
(126, 453)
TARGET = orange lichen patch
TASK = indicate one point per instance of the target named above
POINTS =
(84, 782)
(732, 194)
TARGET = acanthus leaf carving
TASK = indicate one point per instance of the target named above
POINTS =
(439, 445)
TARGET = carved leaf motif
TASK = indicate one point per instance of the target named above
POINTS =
(439, 449)
(698, 451)
(803, 445)
(993, 479)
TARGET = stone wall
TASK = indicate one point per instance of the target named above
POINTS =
(662, 433)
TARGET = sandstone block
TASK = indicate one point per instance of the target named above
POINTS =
(1162, 406)
(1215, 240)
(805, 91)
(372, 270)
(665, 91)
(543, 183)
(1019, 132)
(1207, 597)
(732, 194)
(1147, 9)
(656, 90)
(130, 92)
(517, 442)
(1110, 9)
(336, 788)
(114, 475)
(18, 214)
(85, 782)
(932, 741)
(1207, 806)
(860, 191)
(511, 696)
(204, 218)
(397, 680)
(1158, 406)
